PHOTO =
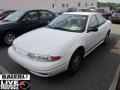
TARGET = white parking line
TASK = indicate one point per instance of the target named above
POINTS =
(115, 80)
(3, 70)
(116, 48)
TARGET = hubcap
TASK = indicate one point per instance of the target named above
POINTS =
(9, 38)
(76, 63)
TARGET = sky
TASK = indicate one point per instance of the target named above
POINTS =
(116, 1)
(30, 3)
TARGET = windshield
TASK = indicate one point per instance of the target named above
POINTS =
(15, 16)
(72, 23)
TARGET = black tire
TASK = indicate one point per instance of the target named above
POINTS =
(106, 40)
(75, 62)
(7, 38)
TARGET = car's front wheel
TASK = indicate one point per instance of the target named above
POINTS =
(7, 38)
(75, 62)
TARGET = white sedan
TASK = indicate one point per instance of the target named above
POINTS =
(62, 45)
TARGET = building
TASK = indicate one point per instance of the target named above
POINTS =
(53, 5)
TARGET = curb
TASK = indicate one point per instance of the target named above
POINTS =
(115, 80)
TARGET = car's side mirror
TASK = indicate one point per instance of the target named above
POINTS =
(92, 29)
(24, 20)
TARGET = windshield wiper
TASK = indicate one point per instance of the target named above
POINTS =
(58, 28)
(63, 29)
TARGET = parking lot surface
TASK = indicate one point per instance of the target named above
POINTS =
(96, 72)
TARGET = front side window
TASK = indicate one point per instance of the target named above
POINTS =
(93, 22)
(31, 16)
(100, 19)
(72, 23)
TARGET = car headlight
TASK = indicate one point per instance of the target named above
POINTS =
(43, 58)
(37, 57)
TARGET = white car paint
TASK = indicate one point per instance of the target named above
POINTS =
(46, 41)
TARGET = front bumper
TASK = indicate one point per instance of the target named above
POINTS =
(44, 69)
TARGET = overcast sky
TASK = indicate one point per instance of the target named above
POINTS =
(116, 1)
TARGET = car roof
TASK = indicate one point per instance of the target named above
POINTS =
(81, 13)
(26, 10)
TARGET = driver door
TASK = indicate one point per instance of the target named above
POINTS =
(30, 21)
(92, 38)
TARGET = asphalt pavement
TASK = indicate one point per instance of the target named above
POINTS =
(96, 72)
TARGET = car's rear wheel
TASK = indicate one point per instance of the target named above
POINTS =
(7, 38)
(106, 40)
(75, 62)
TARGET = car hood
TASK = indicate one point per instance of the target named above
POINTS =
(43, 40)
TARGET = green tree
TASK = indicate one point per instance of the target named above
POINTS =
(109, 4)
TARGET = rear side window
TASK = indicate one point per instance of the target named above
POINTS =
(45, 14)
(100, 19)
